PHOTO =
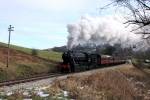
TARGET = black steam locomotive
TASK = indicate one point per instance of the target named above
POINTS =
(78, 61)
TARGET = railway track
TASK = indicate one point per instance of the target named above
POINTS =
(34, 78)
(40, 77)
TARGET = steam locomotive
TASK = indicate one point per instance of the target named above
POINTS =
(79, 61)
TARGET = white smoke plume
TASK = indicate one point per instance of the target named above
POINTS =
(100, 30)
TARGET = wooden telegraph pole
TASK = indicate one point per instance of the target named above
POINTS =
(10, 28)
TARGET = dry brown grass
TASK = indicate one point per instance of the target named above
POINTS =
(140, 77)
(134, 72)
(107, 85)
(55, 89)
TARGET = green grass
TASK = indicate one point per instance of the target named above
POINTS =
(49, 55)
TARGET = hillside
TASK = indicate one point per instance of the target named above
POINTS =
(25, 62)
(50, 55)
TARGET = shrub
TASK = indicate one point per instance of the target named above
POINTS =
(34, 52)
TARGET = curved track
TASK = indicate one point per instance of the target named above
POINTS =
(38, 77)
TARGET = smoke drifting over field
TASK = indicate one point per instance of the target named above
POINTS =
(100, 30)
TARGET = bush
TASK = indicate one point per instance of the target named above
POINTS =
(34, 52)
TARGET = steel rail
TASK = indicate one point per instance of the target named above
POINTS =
(24, 80)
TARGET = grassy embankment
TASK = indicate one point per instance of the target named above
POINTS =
(23, 63)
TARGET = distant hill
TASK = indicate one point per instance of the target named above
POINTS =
(58, 49)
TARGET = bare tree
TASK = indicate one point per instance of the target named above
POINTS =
(139, 15)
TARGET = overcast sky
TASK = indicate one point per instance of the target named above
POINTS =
(42, 23)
